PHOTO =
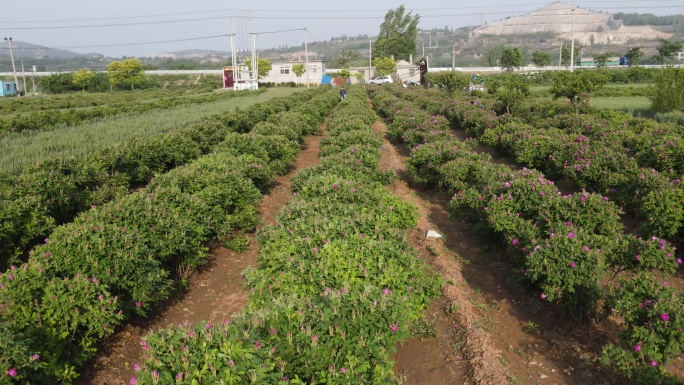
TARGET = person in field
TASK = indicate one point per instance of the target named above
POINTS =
(343, 93)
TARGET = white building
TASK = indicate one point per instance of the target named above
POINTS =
(282, 73)
(407, 72)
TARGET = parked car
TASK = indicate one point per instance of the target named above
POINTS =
(382, 79)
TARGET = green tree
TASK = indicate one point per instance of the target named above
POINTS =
(398, 34)
(82, 78)
(451, 81)
(299, 70)
(345, 57)
(576, 86)
(602, 58)
(492, 54)
(264, 65)
(358, 76)
(511, 59)
(384, 65)
(667, 93)
(125, 72)
(345, 74)
(634, 56)
(541, 59)
(565, 54)
(508, 89)
(667, 50)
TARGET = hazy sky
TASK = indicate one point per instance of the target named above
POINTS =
(112, 27)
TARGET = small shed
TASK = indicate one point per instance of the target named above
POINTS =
(8, 88)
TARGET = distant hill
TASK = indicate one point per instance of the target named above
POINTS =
(22, 50)
(590, 27)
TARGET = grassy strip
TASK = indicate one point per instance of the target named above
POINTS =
(116, 261)
(337, 284)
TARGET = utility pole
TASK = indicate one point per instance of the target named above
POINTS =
(33, 80)
(560, 56)
(23, 75)
(572, 44)
(306, 58)
(14, 69)
(453, 57)
(370, 59)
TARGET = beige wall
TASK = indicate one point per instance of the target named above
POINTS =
(282, 73)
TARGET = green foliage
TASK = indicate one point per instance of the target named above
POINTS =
(541, 59)
(652, 310)
(125, 72)
(263, 64)
(83, 77)
(397, 36)
(514, 89)
(492, 54)
(667, 50)
(299, 69)
(571, 247)
(667, 93)
(634, 56)
(336, 288)
(344, 74)
(384, 65)
(602, 59)
(451, 81)
(116, 260)
(345, 57)
(576, 86)
(511, 59)
(565, 54)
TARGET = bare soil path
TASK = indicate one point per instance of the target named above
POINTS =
(214, 294)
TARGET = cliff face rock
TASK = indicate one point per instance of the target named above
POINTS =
(557, 18)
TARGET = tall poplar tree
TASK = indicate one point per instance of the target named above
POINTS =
(398, 34)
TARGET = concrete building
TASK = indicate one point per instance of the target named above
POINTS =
(407, 72)
(282, 73)
(8, 88)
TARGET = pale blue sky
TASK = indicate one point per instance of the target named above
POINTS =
(50, 22)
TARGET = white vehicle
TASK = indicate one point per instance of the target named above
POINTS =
(382, 79)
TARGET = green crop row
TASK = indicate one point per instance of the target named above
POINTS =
(43, 120)
(572, 248)
(118, 260)
(336, 287)
(82, 100)
(636, 162)
(21, 149)
(56, 190)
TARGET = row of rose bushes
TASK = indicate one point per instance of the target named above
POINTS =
(337, 284)
(38, 120)
(636, 162)
(118, 260)
(56, 190)
(572, 248)
(81, 100)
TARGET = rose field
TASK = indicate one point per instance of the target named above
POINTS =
(281, 237)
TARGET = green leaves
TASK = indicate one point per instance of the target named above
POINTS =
(397, 36)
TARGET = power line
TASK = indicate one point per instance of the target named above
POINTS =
(301, 11)
(337, 17)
